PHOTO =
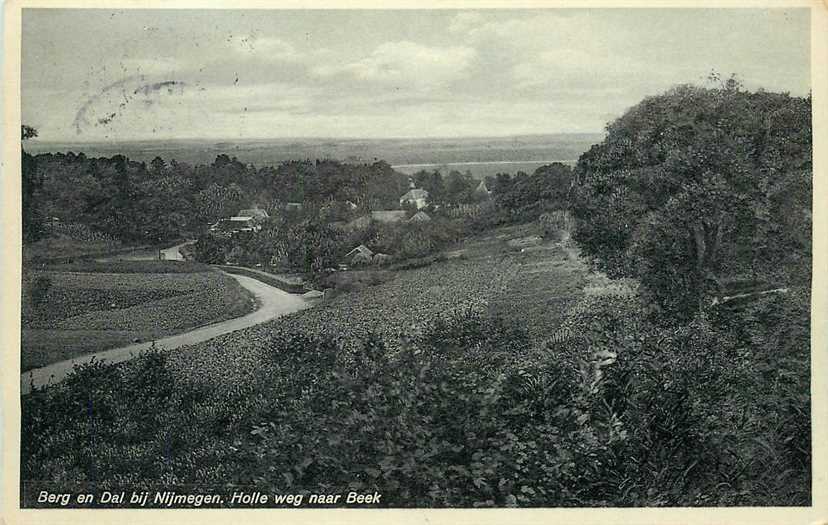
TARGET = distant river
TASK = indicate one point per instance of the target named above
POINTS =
(481, 168)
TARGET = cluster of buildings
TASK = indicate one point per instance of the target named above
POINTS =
(415, 199)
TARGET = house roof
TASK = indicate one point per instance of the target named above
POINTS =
(257, 213)
(359, 222)
(419, 216)
(414, 194)
(384, 216)
(482, 187)
(361, 258)
(387, 216)
(360, 249)
(232, 224)
(240, 218)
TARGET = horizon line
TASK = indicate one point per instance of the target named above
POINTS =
(348, 138)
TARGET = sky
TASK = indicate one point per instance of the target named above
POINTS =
(92, 75)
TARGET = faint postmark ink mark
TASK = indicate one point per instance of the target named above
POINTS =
(105, 106)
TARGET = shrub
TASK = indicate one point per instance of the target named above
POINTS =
(40, 289)
(209, 249)
(558, 224)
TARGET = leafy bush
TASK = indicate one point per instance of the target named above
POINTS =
(78, 232)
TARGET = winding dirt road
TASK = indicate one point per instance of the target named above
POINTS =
(173, 253)
(273, 303)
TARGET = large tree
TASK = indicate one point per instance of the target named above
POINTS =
(696, 188)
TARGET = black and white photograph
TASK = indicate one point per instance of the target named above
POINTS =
(423, 258)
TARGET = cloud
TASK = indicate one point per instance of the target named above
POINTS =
(566, 69)
(267, 49)
(151, 66)
(274, 97)
(465, 21)
(530, 32)
(375, 73)
(406, 64)
(584, 55)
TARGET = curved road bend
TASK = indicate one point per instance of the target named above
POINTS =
(273, 303)
(173, 253)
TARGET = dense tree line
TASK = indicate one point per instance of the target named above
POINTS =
(134, 202)
(524, 197)
(699, 191)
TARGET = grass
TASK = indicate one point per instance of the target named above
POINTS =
(85, 312)
(63, 249)
(43, 346)
(67, 248)
(545, 283)
(129, 267)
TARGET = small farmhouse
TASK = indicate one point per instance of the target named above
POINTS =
(257, 214)
(381, 259)
(359, 249)
(417, 197)
(383, 216)
(360, 223)
(235, 225)
(388, 216)
(359, 255)
(414, 196)
(420, 216)
(361, 259)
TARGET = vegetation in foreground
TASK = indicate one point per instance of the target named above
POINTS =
(690, 388)
(466, 413)
(461, 409)
(75, 309)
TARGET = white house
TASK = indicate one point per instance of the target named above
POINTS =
(416, 196)
(257, 214)
(235, 225)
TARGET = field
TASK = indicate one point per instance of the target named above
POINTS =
(527, 151)
(62, 250)
(483, 273)
(46, 249)
(481, 169)
(79, 308)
